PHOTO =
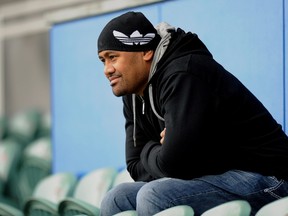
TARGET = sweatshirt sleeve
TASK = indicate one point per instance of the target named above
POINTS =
(133, 160)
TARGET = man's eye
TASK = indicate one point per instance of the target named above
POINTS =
(102, 60)
(111, 57)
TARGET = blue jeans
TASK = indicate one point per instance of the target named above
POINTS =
(199, 193)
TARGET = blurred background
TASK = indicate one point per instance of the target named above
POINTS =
(25, 75)
(52, 86)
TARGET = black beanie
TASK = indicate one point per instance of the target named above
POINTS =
(130, 32)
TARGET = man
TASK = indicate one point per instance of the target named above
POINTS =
(195, 135)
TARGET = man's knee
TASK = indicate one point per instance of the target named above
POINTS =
(151, 192)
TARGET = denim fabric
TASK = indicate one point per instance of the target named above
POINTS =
(200, 193)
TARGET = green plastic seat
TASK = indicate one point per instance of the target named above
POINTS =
(46, 197)
(231, 208)
(8, 210)
(122, 176)
(24, 126)
(89, 192)
(10, 154)
(180, 210)
(36, 164)
(276, 208)
(45, 125)
(3, 126)
(48, 193)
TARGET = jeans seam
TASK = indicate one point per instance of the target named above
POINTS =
(271, 189)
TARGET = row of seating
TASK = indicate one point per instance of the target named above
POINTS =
(64, 194)
(25, 154)
(21, 170)
(232, 208)
(25, 126)
(25, 170)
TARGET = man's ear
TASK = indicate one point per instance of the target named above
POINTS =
(148, 55)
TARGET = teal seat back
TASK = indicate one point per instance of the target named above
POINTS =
(36, 164)
(275, 208)
(180, 210)
(48, 193)
(24, 126)
(231, 208)
(89, 193)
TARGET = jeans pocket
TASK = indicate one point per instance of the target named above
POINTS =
(278, 188)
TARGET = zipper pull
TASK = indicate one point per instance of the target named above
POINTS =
(143, 105)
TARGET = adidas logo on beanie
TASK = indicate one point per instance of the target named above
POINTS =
(129, 32)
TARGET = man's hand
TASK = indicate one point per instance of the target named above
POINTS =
(162, 135)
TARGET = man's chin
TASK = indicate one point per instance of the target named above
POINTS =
(118, 94)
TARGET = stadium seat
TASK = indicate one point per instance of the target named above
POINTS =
(3, 126)
(122, 176)
(10, 153)
(48, 193)
(24, 126)
(231, 208)
(36, 164)
(8, 210)
(180, 210)
(88, 193)
(276, 208)
(45, 125)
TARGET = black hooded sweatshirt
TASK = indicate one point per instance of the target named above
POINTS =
(213, 122)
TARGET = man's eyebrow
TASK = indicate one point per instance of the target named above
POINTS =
(105, 53)
(102, 55)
